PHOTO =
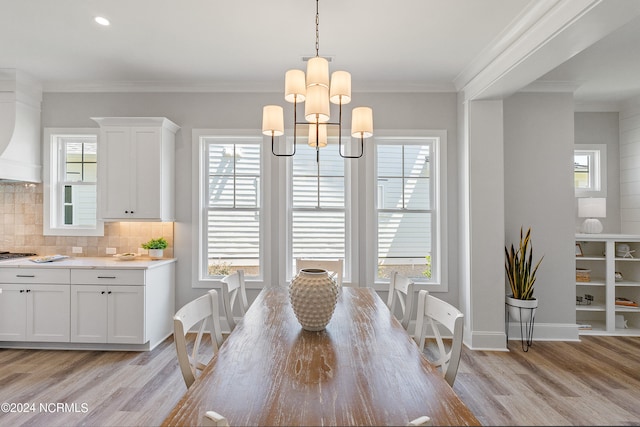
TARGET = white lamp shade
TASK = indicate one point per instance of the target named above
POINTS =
(340, 90)
(319, 131)
(294, 86)
(362, 122)
(318, 72)
(592, 207)
(272, 120)
(316, 108)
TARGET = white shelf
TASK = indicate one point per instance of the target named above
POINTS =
(625, 309)
(595, 282)
(591, 307)
(599, 256)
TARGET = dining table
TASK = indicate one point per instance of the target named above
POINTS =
(363, 369)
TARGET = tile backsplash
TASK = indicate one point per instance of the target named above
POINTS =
(21, 219)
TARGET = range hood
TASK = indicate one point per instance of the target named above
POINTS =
(20, 103)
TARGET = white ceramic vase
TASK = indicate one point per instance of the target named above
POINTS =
(313, 295)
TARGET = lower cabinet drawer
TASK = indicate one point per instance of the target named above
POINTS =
(34, 275)
(107, 277)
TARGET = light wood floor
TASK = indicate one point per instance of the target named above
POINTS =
(593, 382)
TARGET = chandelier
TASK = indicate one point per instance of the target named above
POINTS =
(315, 91)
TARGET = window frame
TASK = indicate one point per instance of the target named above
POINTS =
(439, 259)
(199, 264)
(350, 187)
(53, 202)
(598, 179)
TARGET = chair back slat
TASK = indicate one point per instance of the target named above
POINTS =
(234, 289)
(201, 314)
(401, 289)
(436, 314)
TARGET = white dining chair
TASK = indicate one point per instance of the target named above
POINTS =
(421, 421)
(401, 289)
(435, 313)
(214, 419)
(203, 313)
(234, 290)
(335, 267)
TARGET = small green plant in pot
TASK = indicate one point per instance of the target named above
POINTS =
(155, 247)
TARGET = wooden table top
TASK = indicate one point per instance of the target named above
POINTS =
(363, 369)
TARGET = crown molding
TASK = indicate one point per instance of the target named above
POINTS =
(544, 36)
(230, 87)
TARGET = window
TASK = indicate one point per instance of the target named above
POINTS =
(70, 176)
(589, 170)
(383, 212)
(317, 205)
(408, 214)
(230, 205)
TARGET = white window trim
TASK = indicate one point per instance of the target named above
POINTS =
(600, 170)
(50, 177)
(202, 281)
(440, 283)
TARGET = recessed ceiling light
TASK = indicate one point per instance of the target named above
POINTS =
(102, 21)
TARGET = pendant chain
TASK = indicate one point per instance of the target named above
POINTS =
(317, 29)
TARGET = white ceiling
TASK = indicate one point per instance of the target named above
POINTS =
(403, 45)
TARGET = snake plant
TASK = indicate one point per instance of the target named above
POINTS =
(519, 267)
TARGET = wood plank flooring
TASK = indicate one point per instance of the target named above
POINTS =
(592, 382)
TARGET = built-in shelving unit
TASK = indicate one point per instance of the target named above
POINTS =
(602, 316)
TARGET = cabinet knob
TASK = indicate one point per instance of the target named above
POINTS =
(102, 292)
(28, 290)
(21, 290)
(109, 292)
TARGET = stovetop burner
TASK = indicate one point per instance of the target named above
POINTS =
(11, 255)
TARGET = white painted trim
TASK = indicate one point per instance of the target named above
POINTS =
(198, 243)
(50, 179)
(547, 34)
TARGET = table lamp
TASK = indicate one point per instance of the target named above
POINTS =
(592, 208)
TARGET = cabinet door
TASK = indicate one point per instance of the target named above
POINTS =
(115, 177)
(126, 315)
(48, 313)
(13, 313)
(89, 313)
(147, 170)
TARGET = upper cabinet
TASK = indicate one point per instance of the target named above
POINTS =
(136, 171)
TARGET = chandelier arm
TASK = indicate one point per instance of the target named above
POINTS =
(295, 103)
(361, 150)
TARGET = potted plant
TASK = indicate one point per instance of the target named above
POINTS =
(521, 273)
(155, 247)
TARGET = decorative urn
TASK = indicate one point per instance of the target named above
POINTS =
(313, 295)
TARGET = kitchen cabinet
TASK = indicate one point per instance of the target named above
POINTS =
(136, 168)
(610, 275)
(31, 311)
(107, 314)
(87, 303)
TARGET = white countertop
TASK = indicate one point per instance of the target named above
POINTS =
(88, 262)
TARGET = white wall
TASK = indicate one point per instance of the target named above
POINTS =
(630, 167)
(244, 111)
(538, 176)
(603, 128)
